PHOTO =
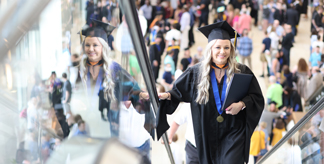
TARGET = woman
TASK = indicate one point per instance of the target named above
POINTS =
(277, 63)
(236, 19)
(301, 77)
(221, 137)
(230, 14)
(105, 80)
(274, 39)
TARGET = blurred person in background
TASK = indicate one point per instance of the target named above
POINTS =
(315, 58)
(81, 129)
(277, 64)
(292, 18)
(311, 150)
(54, 88)
(278, 28)
(204, 8)
(74, 126)
(66, 94)
(236, 19)
(174, 35)
(230, 14)
(199, 55)
(74, 69)
(170, 60)
(318, 42)
(287, 42)
(176, 151)
(292, 100)
(278, 130)
(274, 39)
(90, 11)
(317, 19)
(245, 22)
(257, 143)
(64, 59)
(167, 78)
(315, 82)
(288, 77)
(274, 92)
(147, 9)
(301, 73)
(192, 23)
(266, 44)
(182, 117)
(155, 57)
(279, 13)
(187, 55)
(245, 48)
(269, 114)
(185, 27)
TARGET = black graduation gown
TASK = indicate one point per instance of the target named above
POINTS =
(227, 142)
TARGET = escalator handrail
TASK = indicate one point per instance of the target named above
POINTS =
(315, 109)
(143, 60)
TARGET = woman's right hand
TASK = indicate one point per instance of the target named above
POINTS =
(170, 141)
(163, 96)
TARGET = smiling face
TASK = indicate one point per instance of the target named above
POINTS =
(93, 49)
(221, 51)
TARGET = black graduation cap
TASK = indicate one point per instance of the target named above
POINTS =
(97, 29)
(219, 30)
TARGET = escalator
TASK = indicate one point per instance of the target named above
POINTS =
(32, 46)
(304, 143)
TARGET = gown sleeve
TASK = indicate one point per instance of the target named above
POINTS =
(126, 88)
(254, 103)
(182, 91)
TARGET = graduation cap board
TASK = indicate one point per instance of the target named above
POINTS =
(219, 30)
(97, 29)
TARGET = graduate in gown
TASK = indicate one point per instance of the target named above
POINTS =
(221, 136)
(107, 84)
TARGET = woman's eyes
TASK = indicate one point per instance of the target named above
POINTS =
(226, 48)
(87, 45)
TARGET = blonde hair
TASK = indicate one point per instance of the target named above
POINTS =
(263, 125)
(204, 70)
(108, 83)
(230, 8)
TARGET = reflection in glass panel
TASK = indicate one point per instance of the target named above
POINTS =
(305, 146)
(55, 90)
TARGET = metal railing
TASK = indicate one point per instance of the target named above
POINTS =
(142, 56)
(315, 109)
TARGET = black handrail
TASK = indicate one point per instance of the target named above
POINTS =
(139, 45)
(315, 109)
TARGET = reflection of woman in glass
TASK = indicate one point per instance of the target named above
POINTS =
(104, 77)
(221, 136)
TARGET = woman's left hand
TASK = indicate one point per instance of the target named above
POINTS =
(234, 108)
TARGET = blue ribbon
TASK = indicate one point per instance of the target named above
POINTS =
(219, 101)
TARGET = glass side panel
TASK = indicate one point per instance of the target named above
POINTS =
(53, 92)
(305, 146)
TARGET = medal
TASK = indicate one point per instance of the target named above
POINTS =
(218, 100)
(220, 119)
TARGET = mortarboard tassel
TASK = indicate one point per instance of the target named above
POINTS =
(81, 37)
(235, 40)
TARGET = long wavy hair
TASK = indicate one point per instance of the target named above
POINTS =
(108, 84)
(204, 70)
